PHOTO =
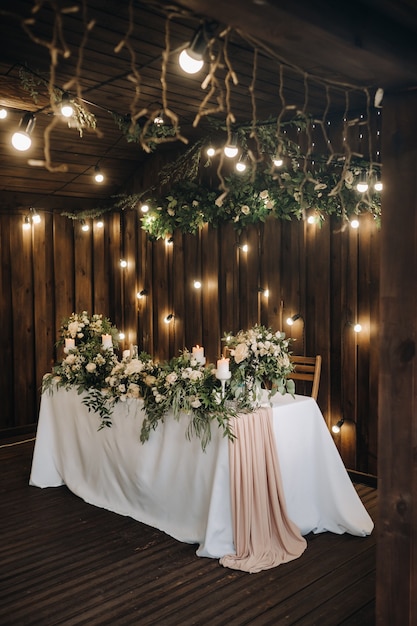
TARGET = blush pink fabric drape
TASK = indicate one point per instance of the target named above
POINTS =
(264, 536)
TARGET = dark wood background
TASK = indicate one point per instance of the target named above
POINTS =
(328, 274)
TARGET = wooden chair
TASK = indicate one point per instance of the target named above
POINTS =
(307, 368)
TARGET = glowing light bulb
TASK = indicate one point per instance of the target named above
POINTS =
(189, 64)
(244, 247)
(240, 166)
(100, 224)
(197, 284)
(121, 336)
(144, 208)
(278, 162)
(123, 263)
(21, 141)
(26, 223)
(354, 223)
(378, 186)
(362, 187)
(98, 176)
(210, 152)
(231, 151)
(357, 328)
(85, 227)
(3, 114)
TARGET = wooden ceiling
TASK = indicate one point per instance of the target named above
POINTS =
(310, 55)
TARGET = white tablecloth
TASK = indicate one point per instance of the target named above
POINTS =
(171, 484)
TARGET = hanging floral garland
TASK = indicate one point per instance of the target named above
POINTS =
(297, 188)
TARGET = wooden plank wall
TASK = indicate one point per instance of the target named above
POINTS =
(328, 274)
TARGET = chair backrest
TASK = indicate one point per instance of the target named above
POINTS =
(307, 368)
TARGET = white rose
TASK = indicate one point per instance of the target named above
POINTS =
(171, 378)
(264, 194)
(91, 367)
(196, 375)
(134, 367)
(240, 352)
(195, 403)
(150, 380)
(245, 209)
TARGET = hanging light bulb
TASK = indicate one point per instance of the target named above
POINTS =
(197, 284)
(362, 185)
(3, 114)
(191, 58)
(231, 149)
(21, 139)
(336, 427)
(100, 224)
(354, 223)
(67, 110)
(241, 165)
(123, 263)
(210, 151)
(168, 318)
(84, 226)
(378, 186)
(36, 218)
(144, 208)
(293, 318)
(98, 176)
(277, 161)
(26, 223)
(141, 294)
(357, 328)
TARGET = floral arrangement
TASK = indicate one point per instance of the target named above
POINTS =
(259, 359)
(184, 386)
(181, 386)
(87, 363)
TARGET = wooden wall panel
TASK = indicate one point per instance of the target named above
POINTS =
(23, 363)
(43, 297)
(7, 383)
(211, 274)
(63, 259)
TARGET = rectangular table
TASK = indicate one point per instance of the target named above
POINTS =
(171, 484)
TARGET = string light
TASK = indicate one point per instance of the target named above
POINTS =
(123, 263)
(336, 427)
(21, 139)
(26, 223)
(354, 223)
(231, 149)
(3, 114)
(121, 336)
(67, 110)
(293, 318)
(210, 151)
(100, 224)
(191, 58)
(98, 175)
(357, 328)
(144, 208)
(244, 247)
(36, 218)
(84, 226)
(197, 284)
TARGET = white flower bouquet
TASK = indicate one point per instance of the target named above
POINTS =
(259, 359)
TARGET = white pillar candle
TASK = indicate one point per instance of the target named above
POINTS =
(69, 344)
(106, 341)
(222, 368)
(198, 354)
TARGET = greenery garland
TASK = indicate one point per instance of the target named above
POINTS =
(301, 186)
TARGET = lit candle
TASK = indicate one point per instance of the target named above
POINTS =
(69, 345)
(223, 368)
(198, 354)
(106, 341)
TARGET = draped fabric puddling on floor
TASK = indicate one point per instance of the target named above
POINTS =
(264, 536)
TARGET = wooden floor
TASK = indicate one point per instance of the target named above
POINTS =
(63, 561)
